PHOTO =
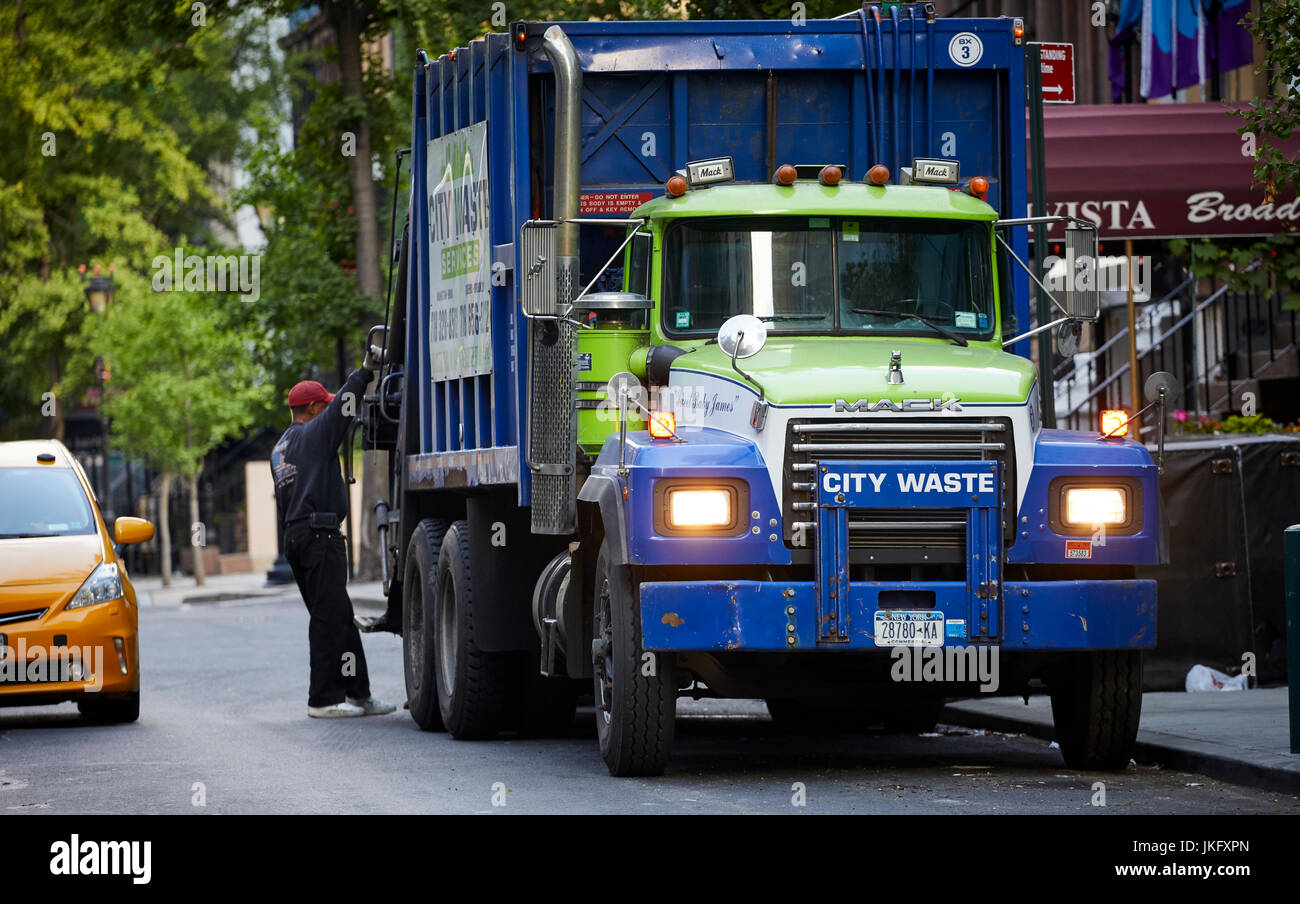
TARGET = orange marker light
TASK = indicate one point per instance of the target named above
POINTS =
(663, 424)
(1114, 423)
(1020, 29)
(979, 187)
(785, 174)
(878, 174)
(830, 175)
(676, 186)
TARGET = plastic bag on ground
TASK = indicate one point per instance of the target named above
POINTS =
(1203, 678)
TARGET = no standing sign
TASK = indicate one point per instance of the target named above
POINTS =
(1058, 73)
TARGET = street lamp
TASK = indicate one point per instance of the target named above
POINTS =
(99, 294)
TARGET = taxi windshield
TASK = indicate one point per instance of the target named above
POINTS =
(43, 502)
(830, 275)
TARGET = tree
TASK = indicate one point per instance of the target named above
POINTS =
(182, 383)
(1273, 119)
(110, 139)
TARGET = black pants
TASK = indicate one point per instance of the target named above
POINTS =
(320, 566)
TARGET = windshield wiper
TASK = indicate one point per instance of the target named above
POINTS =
(793, 316)
(24, 536)
(897, 315)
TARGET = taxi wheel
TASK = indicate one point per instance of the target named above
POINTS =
(635, 691)
(1096, 705)
(110, 711)
(418, 590)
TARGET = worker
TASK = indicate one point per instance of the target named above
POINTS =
(312, 500)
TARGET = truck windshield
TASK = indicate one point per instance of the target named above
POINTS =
(42, 502)
(829, 275)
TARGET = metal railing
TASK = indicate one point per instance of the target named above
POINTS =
(1213, 347)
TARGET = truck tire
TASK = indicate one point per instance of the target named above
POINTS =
(419, 588)
(1096, 705)
(635, 712)
(472, 684)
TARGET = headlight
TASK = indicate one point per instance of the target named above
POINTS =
(701, 507)
(104, 584)
(704, 508)
(1090, 506)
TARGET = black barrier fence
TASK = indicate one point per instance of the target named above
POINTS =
(1227, 502)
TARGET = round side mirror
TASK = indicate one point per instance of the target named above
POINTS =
(626, 381)
(1068, 337)
(742, 336)
(1157, 381)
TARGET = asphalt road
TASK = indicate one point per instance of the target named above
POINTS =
(224, 730)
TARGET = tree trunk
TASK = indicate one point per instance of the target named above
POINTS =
(197, 533)
(164, 528)
(349, 22)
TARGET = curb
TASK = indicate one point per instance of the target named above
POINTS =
(1153, 748)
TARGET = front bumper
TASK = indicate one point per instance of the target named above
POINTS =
(84, 635)
(683, 616)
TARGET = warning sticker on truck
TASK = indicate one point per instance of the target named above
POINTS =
(607, 203)
(1078, 549)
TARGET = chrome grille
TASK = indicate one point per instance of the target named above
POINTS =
(26, 615)
(949, 439)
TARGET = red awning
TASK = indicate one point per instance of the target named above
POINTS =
(1158, 171)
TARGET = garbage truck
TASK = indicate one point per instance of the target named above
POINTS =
(708, 375)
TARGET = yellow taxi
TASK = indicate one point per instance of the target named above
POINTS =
(68, 617)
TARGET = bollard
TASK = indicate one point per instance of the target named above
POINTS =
(1291, 551)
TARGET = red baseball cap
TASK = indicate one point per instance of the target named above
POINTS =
(308, 391)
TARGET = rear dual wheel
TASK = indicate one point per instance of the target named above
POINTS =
(419, 589)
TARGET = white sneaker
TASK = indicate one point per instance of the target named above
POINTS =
(372, 706)
(336, 711)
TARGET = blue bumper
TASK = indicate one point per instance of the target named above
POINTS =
(782, 616)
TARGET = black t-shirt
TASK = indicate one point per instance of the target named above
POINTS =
(305, 462)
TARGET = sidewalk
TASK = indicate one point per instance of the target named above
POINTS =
(1236, 736)
(246, 585)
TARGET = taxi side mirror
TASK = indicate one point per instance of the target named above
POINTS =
(128, 530)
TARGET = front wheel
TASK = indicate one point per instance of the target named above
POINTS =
(1096, 705)
(635, 691)
(111, 711)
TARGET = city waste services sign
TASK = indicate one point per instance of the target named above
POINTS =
(460, 255)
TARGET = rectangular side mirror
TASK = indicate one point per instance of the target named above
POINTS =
(1082, 299)
(537, 289)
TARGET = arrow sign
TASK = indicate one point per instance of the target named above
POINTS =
(1057, 66)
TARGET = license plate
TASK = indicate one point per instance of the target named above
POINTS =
(904, 628)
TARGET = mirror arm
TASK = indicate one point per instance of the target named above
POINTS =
(601, 272)
(1036, 330)
(1031, 273)
(762, 393)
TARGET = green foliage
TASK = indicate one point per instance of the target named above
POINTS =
(766, 9)
(1276, 25)
(1256, 265)
(182, 380)
(44, 325)
(115, 115)
(1236, 423)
